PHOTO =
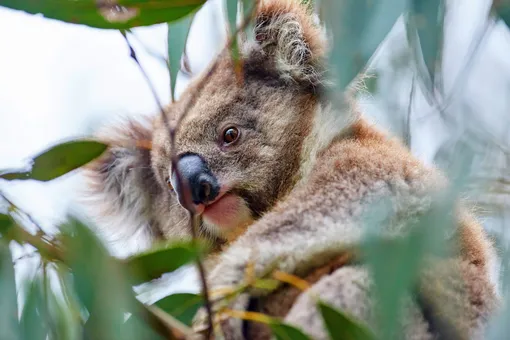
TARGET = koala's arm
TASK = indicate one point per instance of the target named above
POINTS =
(121, 182)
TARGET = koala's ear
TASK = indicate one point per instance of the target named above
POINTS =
(287, 33)
(121, 182)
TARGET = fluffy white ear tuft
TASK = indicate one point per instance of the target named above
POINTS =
(286, 32)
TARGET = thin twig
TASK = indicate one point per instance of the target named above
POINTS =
(27, 215)
(133, 55)
(149, 51)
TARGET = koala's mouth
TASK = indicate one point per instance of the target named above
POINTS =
(227, 213)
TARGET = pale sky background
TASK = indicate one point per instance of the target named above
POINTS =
(59, 81)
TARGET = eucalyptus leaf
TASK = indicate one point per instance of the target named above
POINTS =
(143, 329)
(502, 8)
(5, 223)
(396, 262)
(65, 325)
(358, 28)
(9, 324)
(182, 306)
(157, 261)
(59, 160)
(116, 14)
(248, 8)
(232, 11)
(232, 15)
(177, 36)
(341, 326)
(284, 331)
(65, 308)
(425, 34)
(100, 283)
(33, 316)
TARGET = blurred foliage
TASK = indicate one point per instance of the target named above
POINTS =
(108, 14)
(177, 36)
(59, 160)
(94, 298)
(282, 331)
(152, 264)
(183, 306)
(425, 35)
(342, 327)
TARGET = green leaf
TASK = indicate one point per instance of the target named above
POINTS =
(177, 36)
(100, 282)
(502, 9)
(117, 14)
(425, 34)
(65, 325)
(144, 331)
(232, 11)
(59, 160)
(33, 317)
(341, 326)
(248, 8)
(395, 262)
(64, 309)
(5, 223)
(182, 306)
(284, 331)
(160, 260)
(359, 27)
(8, 297)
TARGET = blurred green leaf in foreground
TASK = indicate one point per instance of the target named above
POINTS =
(110, 14)
(58, 160)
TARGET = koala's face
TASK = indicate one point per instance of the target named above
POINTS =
(240, 144)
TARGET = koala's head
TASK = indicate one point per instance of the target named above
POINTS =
(241, 144)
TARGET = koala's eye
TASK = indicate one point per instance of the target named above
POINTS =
(230, 135)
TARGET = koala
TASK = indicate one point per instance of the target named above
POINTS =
(277, 171)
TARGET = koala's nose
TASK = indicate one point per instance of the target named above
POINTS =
(203, 185)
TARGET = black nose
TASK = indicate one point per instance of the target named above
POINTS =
(203, 185)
